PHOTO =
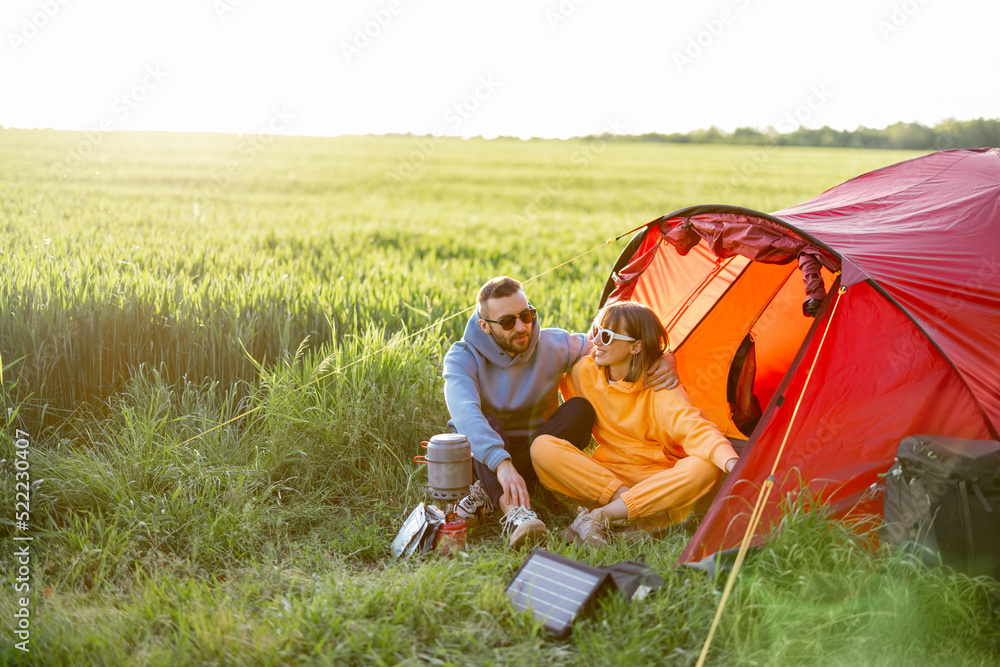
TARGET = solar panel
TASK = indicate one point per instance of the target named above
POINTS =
(555, 588)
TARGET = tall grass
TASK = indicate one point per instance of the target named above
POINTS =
(316, 441)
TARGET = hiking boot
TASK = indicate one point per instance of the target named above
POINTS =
(475, 507)
(524, 527)
(585, 529)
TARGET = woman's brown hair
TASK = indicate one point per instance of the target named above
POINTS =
(638, 321)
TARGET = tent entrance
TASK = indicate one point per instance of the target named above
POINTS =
(765, 303)
(709, 306)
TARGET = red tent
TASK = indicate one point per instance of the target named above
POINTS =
(901, 268)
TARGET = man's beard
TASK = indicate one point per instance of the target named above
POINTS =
(512, 347)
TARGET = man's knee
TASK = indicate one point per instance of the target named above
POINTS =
(572, 421)
(580, 408)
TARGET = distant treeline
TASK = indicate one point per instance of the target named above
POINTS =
(947, 134)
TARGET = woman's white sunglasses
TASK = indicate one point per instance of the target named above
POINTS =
(605, 336)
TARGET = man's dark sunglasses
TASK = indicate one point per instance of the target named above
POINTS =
(527, 316)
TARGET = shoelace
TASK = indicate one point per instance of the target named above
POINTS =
(600, 527)
(480, 496)
(514, 517)
(477, 494)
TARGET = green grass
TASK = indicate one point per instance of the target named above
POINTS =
(141, 304)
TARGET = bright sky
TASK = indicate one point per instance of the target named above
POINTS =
(550, 68)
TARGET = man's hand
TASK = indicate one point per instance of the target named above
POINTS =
(515, 491)
(662, 373)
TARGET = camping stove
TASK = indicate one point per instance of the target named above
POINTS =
(449, 475)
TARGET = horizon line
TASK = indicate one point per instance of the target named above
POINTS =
(768, 131)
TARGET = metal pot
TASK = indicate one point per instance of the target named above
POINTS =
(449, 465)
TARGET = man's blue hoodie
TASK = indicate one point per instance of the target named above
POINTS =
(520, 391)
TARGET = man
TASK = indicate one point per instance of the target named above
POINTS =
(501, 385)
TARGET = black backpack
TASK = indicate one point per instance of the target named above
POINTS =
(942, 500)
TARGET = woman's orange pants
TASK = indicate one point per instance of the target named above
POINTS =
(658, 495)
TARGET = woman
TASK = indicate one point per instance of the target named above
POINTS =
(658, 454)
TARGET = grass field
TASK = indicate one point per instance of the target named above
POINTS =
(155, 285)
